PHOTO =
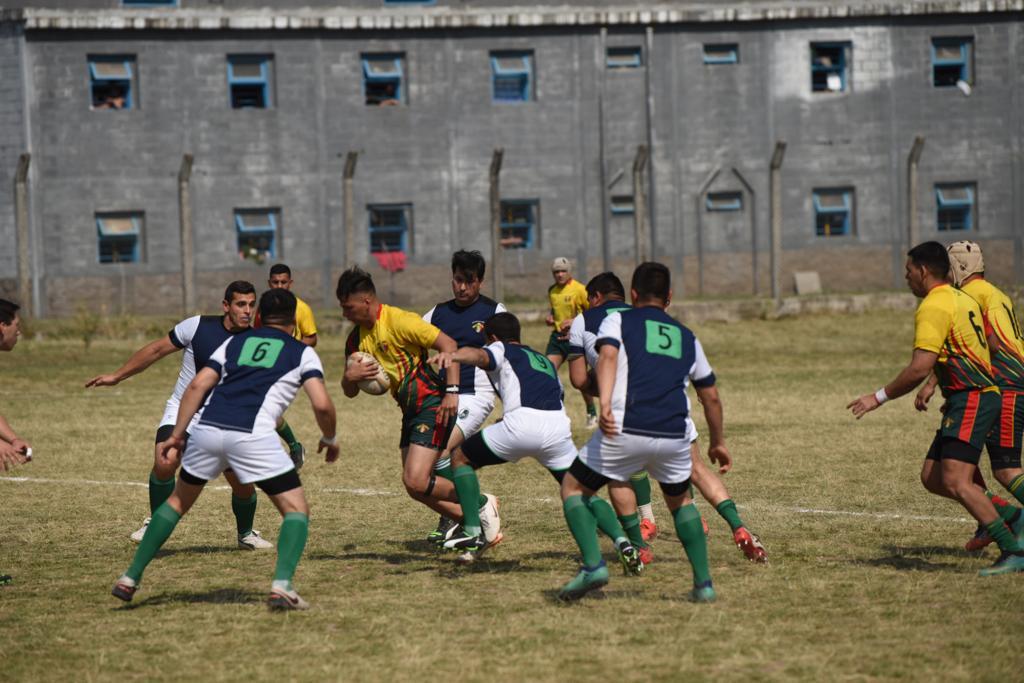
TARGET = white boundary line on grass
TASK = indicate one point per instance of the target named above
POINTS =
(373, 492)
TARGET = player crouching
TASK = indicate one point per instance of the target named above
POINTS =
(253, 377)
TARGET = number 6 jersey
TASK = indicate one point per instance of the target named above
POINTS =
(657, 359)
(951, 324)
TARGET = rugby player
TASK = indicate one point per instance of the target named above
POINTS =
(534, 424)
(400, 340)
(14, 450)
(462, 318)
(568, 298)
(198, 336)
(253, 376)
(645, 361)
(949, 339)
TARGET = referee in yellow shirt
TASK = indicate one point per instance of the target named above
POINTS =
(568, 298)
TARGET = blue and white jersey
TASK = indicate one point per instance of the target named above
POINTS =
(657, 359)
(583, 333)
(261, 371)
(200, 336)
(523, 377)
(465, 324)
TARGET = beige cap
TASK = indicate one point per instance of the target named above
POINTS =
(560, 263)
(964, 260)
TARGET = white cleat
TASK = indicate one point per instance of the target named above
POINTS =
(138, 534)
(490, 522)
(281, 600)
(253, 541)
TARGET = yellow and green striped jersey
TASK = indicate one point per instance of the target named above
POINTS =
(950, 323)
(1000, 319)
(567, 301)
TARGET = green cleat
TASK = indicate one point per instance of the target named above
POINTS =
(584, 582)
(1007, 563)
(702, 593)
(630, 559)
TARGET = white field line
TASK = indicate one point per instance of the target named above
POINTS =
(373, 492)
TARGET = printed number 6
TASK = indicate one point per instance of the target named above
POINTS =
(260, 352)
(977, 330)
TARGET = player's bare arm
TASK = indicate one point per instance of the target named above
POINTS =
(607, 362)
(309, 340)
(205, 380)
(467, 354)
(921, 364)
(10, 457)
(139, 361)
(718, 452)
(356, 373)
(7, 435)
(450, 402)
(326, 417)
(925, 393)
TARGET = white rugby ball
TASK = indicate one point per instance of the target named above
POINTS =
(375, 385)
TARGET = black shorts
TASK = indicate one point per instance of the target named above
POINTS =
(950, 448)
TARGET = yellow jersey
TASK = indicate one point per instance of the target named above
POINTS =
(400, 341)
(305, 324)
(950, 323)
(567, 301)
(1008, 358)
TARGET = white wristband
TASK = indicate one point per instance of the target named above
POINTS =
(881, 396)
(328, 441)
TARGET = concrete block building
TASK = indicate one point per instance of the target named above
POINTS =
(888, 122)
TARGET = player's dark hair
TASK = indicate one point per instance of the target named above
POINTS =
(355, 280)
(277, 307)
(606, 283)
(469, 262)
(933, 257)
(8, 309)
(652, 281)
(504, 326)
(238, 287)
(279, 268)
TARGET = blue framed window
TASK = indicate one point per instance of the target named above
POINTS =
(257, 233)
(520, 226)
(829, 67)
(724, 201)
(624, 57)
(833, 212)
(382, 79)
(721, 53)
(118, 237)
(110, 81)
(249, 78)
(512, 76)
(951, 61)
(622, 204)
(954, 204)
(390, 225)
(149, 3)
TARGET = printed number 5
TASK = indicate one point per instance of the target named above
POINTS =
(663, 333)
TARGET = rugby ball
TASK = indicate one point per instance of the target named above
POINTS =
(375, 385)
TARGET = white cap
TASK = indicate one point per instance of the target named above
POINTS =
(560, 263)
(964, 260)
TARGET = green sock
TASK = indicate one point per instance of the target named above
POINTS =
(591, 409)
(446, 472)
(1006, 511)
(641, 484)
(245, 512)
(604, 515)
(1002, 535)
(1016, 488)
(584, 529)
(159, 491)
(467, 486)
(691, 533)
(631, 525)
(727, 509)
(160, 528)
(285, 432)
(291, 541)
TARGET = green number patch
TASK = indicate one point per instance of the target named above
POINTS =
(259, 352)
(540, 363)
(664, 340)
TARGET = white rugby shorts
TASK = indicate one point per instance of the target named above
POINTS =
(617, 457)
(253, 457)
(545, 435)
(474, 410)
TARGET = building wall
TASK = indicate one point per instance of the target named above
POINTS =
(12, 145)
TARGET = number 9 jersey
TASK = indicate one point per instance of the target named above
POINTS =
(950, 323)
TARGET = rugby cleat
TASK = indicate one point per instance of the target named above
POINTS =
(1007, 563)
(297, 452)
(470, 547)
(648, 529)
(646, 554)
(124, 588)
(281, 600)
(592, 421)
(588, 579)
(140, 532)
(979, 541)
(629, 557)
(445, 528)
(751, 545)
(490, 521)
(6, 580)
(702, 593)
(253, 541)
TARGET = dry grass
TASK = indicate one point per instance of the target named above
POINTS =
(846, 597)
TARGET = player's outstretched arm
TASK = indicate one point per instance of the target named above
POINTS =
(467, 354)
(607, 363)
(326, 416)
(450, 402)
(718, 453)
(139, 361)
(921, 364)
(7, 435)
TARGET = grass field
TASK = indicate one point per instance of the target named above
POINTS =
(867, 579)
